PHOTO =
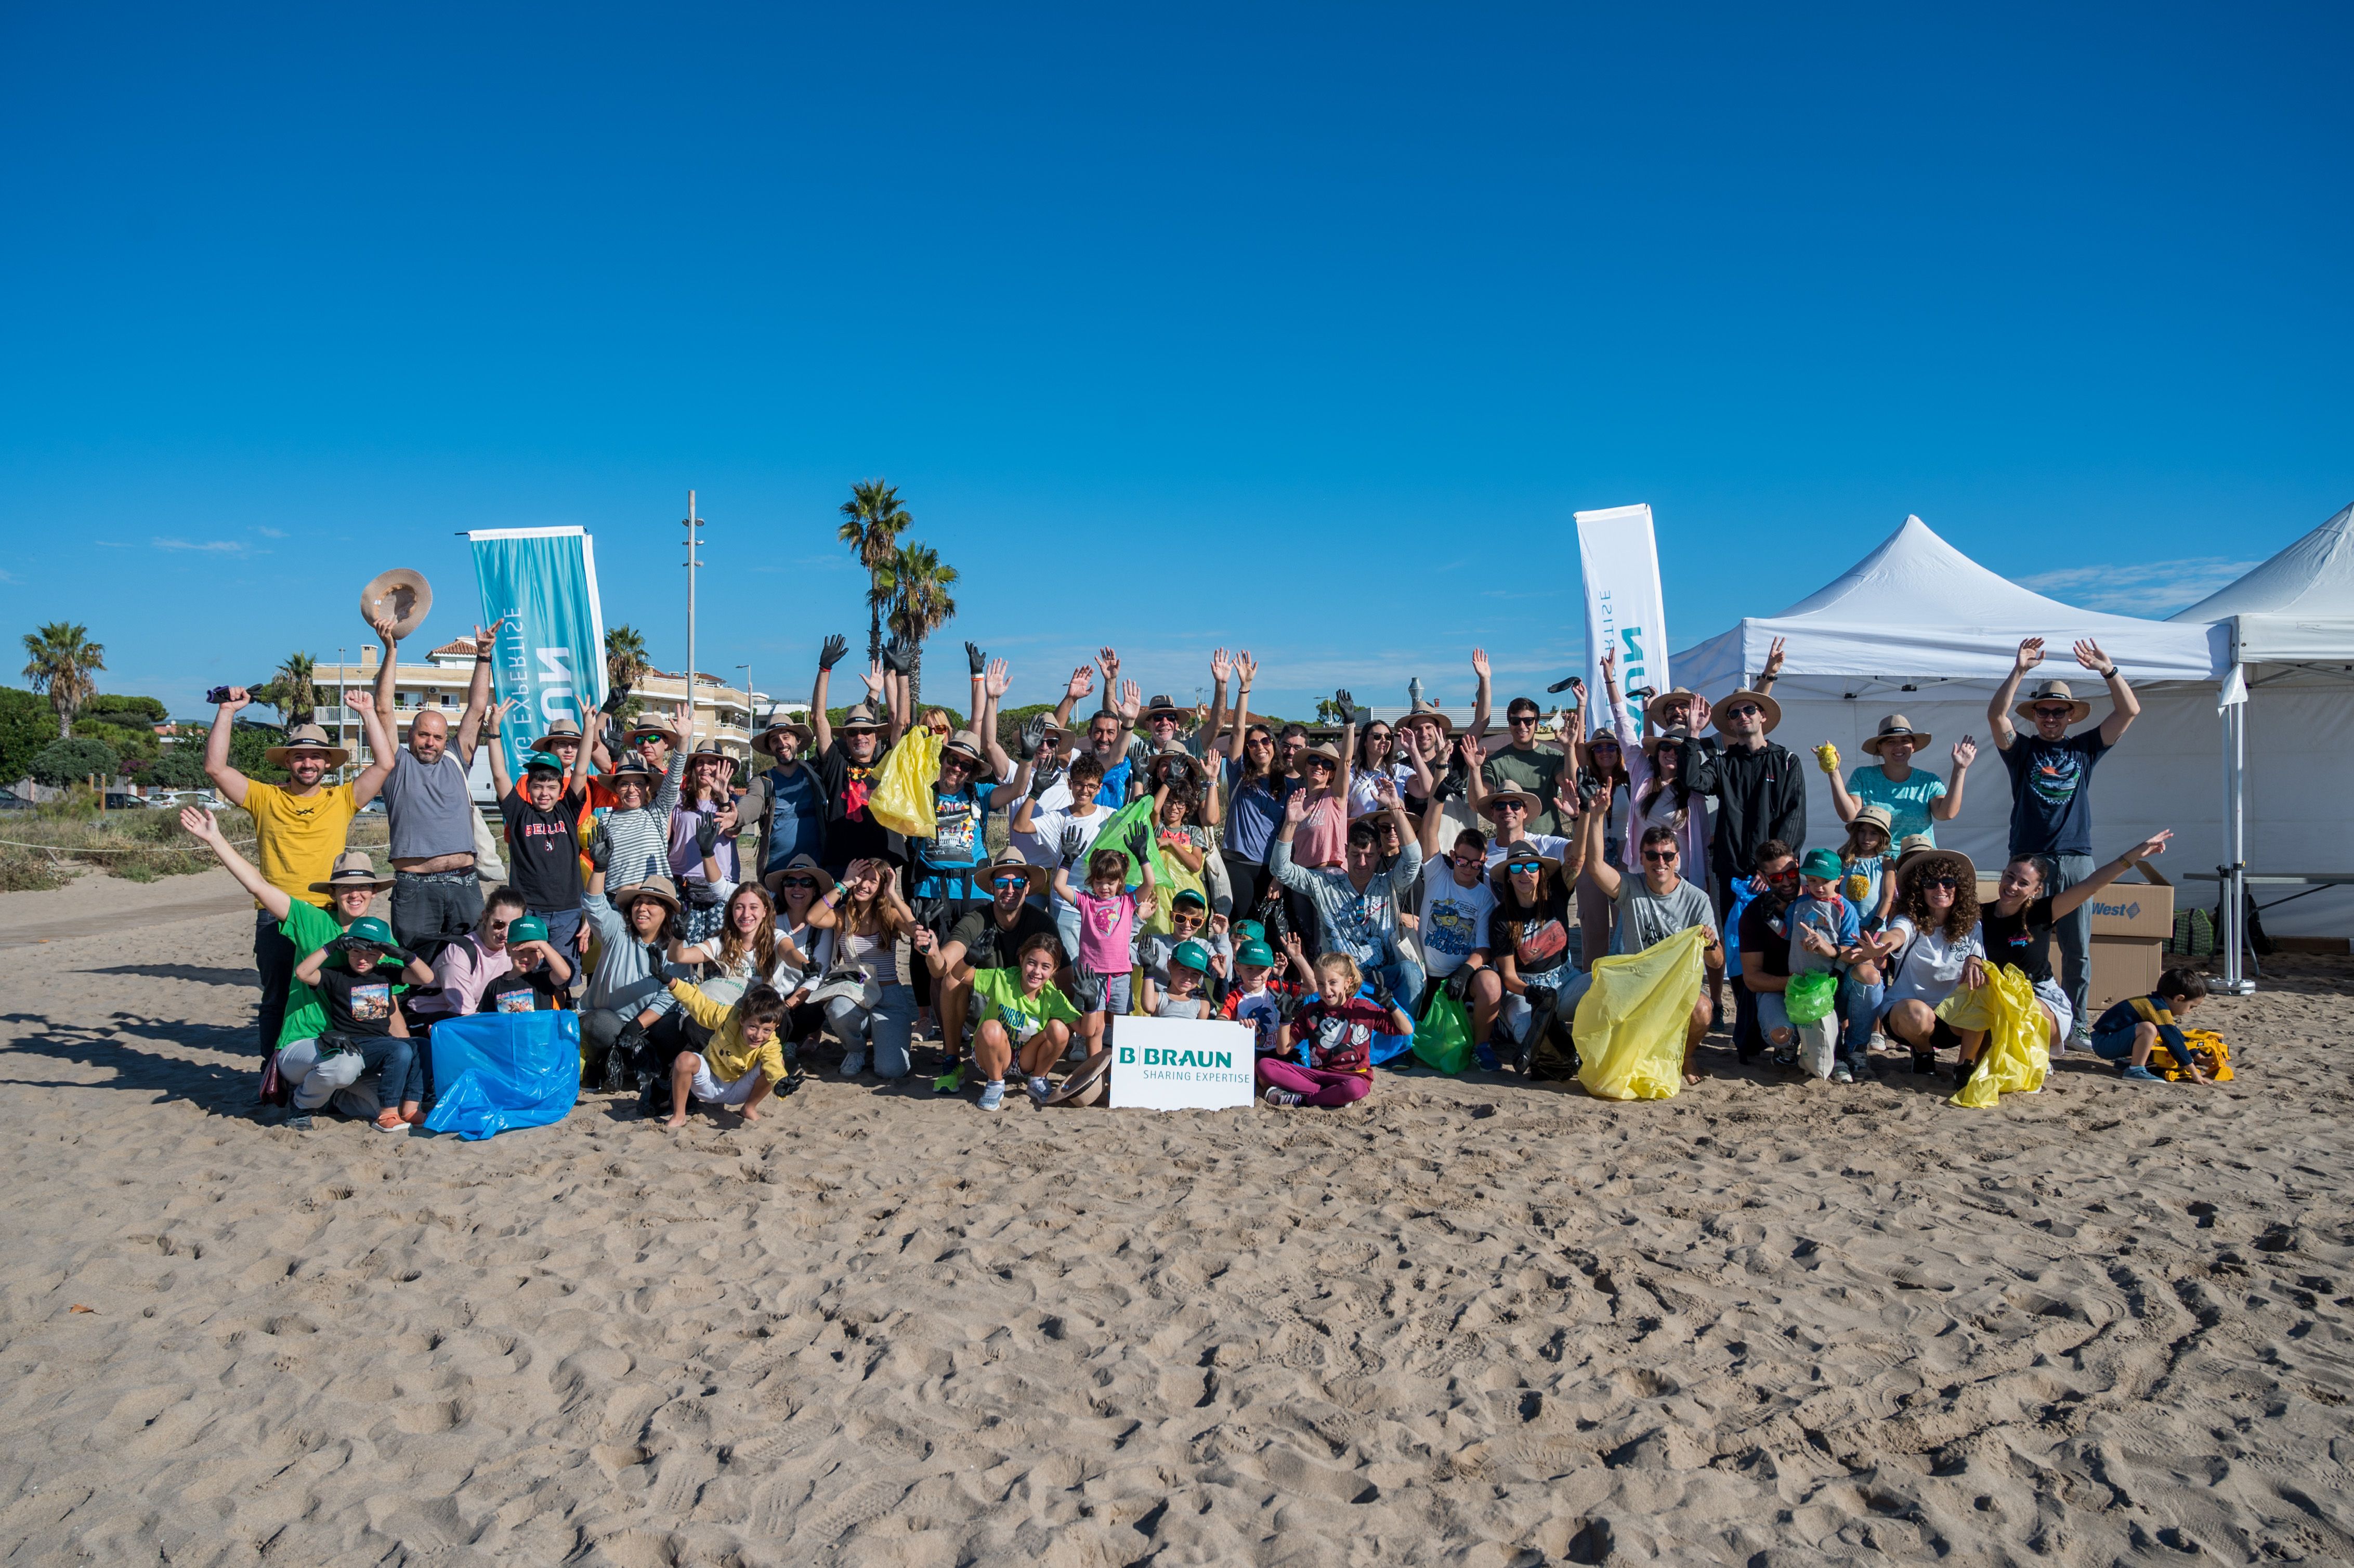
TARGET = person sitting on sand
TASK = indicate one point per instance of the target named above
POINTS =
(1018, 1008)
(1254, 1001)
(1930, 950)
(745, 1061)
(627, 997)
(1334, 1031)
(364, 1030)
(1529, 931)
(538, 971)
(1656, 905)
(1183, 996)
(466, 966)
(2130, 1030)
(867, 999)
(352, 885)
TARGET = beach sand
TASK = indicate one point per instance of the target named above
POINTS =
(1465, 1322)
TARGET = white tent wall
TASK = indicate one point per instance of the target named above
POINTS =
(2300, 747)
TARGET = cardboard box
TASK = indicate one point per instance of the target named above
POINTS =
(2131, 922)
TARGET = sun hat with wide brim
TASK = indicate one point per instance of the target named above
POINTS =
(1546, 864)
(1496, 797)
(1158, 760)
(1007, 861)
(859, 717)
(1768, 708)
(1879, 816)
(763, 742)
(1655, 712)
(805, 863)
(1425, 709)
(352, 869)
(1917, 851)
(560, 729)
(1086, 1084)
(307, 737)
(1893, 726)
(711, 748)
(404, 595)
(1162, 707)
(632, 765)
(2079, 710)
(1324, 750)
(967, 744)
(1673, 735)
(660, 887)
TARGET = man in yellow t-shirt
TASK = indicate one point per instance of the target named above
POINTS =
(299, 829)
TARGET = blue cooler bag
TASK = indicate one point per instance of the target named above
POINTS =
(493, 1071)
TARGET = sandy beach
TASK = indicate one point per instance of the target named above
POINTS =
(1468, 1322)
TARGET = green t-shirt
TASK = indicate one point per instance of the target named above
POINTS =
(997, 993)
(310, 929)
(1539, 773)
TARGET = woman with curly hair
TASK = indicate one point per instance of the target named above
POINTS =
(1931, 951)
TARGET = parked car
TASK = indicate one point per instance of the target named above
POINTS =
(12, 801)
(123, 800)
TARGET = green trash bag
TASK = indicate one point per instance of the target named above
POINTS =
(1811, 996)
(1443, 1038)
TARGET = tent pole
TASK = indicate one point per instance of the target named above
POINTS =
(2235, 869)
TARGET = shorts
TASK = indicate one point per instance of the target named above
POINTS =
(711, 1091)
(1457, 985)
(1093, 993)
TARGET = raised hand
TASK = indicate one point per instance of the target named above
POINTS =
(495, 716)
(1083, 681)
(1565, 802)
(358, 698)
(830, 652)
(1577, 691)
(201, 823)
(1609, 662)
(1346, 707)
(707, 835)
(2031, 654)
(1245, 666)
(1773, 661)
(995, 682)
(895, 656)
(2154, 845)
(1222, 664)
(682, 724)
(729, 818)
(1474, 750)
(1131, 699)
(1140, 841)
(1965, 751)
(1073, 843)
(923, 939)
(1107, 660)
(383, 621)
(1479, 663)
(1295, 807)
(1032, 737)
(600, 853)
(873, 679)
(1700, 712)
(2089, 654)
(487, 642)
(974, 658)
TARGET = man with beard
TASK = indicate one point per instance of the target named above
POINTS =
(848, 756)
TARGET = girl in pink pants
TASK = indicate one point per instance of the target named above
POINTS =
(1333, 1033)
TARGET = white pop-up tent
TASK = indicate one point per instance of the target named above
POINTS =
(1918, 628)
(2290, 630)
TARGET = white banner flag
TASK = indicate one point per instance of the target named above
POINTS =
(1624, 609)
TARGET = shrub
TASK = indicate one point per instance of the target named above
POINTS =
(73, 761)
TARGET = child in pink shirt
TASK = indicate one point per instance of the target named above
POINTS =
(1107, 910)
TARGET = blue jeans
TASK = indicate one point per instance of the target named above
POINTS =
(883, 1030)
(2073, 933)
(1858, 1006)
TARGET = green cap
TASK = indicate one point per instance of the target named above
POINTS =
(1823, 863)
(369, 930)
(530, 928)
(1193, 956)
(554, 763)
(1257, 953)
(1250, 931)
(1187, 896)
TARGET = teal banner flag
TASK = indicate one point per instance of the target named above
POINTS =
(551, 650)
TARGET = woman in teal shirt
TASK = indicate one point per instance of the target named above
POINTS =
(1917, 799)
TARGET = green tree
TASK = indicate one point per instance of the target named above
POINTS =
(116, 708)
(292, 691)
(73, 760)
(27, 725)
(626, 665)
(61, 659)
(872, 521)
(247, 745)
(131, 744)
(917, 583)
(180, 766)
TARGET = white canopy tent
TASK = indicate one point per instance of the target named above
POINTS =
(1918, 628)
(2289, 625)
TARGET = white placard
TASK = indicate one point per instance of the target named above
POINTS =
(1624, 607)
(1181, 1064)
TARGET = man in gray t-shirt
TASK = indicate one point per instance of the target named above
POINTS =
(1656, 905)
(436, 895)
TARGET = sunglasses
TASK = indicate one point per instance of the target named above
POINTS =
(1659, 857)
(1531, 867)
(1949, 884)
(1323, 762)
(1520, 806)
(798, 882)
(1781, 878)
(1003, 882)
(1524, 718)
(2058, 713)
(1258, 740)
(1744, 710)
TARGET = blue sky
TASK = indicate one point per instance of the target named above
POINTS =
(1303, 329)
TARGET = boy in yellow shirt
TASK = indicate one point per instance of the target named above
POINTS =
(745, 1061)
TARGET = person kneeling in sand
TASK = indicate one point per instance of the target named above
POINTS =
(745, 1061)
(1018, 1008)
(366, 1033)
(1335, 1031)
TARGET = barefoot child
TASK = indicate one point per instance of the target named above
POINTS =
(745, 1061)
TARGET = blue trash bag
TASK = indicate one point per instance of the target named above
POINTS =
(494, 1071)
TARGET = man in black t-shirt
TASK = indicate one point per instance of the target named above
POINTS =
(848, 756)
(988, 937)
(1765, 942)
(543, 833)
(2017, 926)
(2050, 790)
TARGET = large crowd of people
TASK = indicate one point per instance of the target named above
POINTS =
(721, 937)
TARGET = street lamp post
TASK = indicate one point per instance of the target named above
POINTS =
(694, 527)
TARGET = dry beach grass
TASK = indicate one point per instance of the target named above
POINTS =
(1469, 1321)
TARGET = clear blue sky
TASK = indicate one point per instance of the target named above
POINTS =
(1303, 329)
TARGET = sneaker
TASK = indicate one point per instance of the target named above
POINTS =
(854, 1064)
(300, 1121)
(1924, 1063)
(1839, 1075)
(1283, 1100)
(993, 1094)
(1040, 1088)
(952, 1080)
(1483, 1052)
(2143, 1075)
(1785, 1058)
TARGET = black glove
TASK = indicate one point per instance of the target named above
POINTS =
(895, 656)
(974, 657)
(615, 698)
(1075, 839)
(1140, 841)
(1032, 737)
(831, 651)
(1044, 776)
(632, 1035)
(707, 834)
(402, 955)
(332, 1043)
(1540, 998)
(600, 853)
(1382, 997)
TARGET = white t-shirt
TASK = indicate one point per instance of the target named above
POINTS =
(1930, 965)
(1552, 846)
(1361, 786)
(1454, 918)
(1049, 827)
(1054, 797)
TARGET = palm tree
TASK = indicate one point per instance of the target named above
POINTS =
(872, 520)
(62, 660)
(921, 604)
(290, 690)
(625, 656)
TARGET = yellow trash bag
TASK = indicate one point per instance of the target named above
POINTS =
(2016, 1054)
(1631, 1025)
(902, 800)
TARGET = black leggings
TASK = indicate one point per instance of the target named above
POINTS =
(1244, 877)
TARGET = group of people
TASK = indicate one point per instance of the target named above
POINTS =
(1167, 860)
